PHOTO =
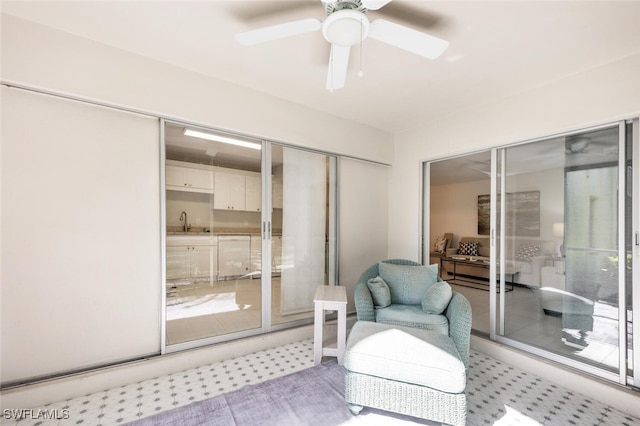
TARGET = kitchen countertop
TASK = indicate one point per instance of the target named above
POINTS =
(195, 232)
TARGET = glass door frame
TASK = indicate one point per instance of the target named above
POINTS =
(497, 300)
(627, 372)
(634, 177)
(266, 325)
(265, 236)
(166, 348)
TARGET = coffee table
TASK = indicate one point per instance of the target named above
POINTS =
(473, 273)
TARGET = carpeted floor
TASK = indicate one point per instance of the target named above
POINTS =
(310, 397)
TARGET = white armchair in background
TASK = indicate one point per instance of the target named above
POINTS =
(576, 311)
(556, 300)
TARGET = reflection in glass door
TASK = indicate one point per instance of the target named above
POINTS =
(250, 235)
(213, 217)
(454, 185)
(558, 211)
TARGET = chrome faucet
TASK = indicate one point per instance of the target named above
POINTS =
(183, 216)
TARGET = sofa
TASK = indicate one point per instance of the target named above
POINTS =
(524, 258)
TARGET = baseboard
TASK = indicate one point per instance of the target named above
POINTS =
(72, 386)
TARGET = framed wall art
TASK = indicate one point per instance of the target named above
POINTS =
(522, 214)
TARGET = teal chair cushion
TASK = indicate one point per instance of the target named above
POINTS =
(412, 316)
(379, 292)
(408, 284)
(437, 298)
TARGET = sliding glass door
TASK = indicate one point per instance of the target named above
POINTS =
(248, 228)
(213, 228)
(559, 222)
(558, 238)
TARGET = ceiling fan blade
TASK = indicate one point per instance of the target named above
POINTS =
(275, 32)
(408, 39)
(374, 4)
(338, 62)
(251, 11)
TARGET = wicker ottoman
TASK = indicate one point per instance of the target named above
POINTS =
(405, 370)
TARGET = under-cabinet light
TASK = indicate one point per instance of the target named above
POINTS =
(223, 139)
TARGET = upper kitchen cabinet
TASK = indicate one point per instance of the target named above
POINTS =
(238, 190)
(253, 195)
(277, 197)
(231, 191)
(189, 177)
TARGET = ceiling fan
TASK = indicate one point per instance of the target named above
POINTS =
(583, 145)
(347, 25)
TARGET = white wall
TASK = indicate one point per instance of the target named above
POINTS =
(595, 96)
(80, 235)
(36, 55)
(363, 218)
(54, 61)
(454, 207)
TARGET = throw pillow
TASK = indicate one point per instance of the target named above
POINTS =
(526, 252)
(379, 292)
(440, 245)
(408, 283)
(437, 298)
(468, 248)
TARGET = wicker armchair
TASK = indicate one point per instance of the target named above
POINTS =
(457, 313)
(408, 352)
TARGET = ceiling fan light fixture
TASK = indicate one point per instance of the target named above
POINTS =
(345, 27)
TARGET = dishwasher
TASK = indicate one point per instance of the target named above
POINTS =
(234, 256)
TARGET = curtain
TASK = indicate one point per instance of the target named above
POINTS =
(304, 221)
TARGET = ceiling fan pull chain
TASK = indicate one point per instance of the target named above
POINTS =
(360, 73)
(331, 68)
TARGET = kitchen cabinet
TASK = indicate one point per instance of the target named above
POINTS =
(230, 191)
(190, 179)
(238, 190)
(256, 255)
(277, 192)
(202, 261)
(234, 256)
(276, 254)
(178, 261)
(192, 257)
(253, 193)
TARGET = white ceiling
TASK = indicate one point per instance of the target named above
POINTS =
(497, 49)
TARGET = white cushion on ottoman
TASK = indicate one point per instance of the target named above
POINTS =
(405, 354)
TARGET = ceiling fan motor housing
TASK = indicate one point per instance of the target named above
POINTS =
(346, 27)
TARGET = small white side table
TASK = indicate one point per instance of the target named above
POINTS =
(327, 340)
